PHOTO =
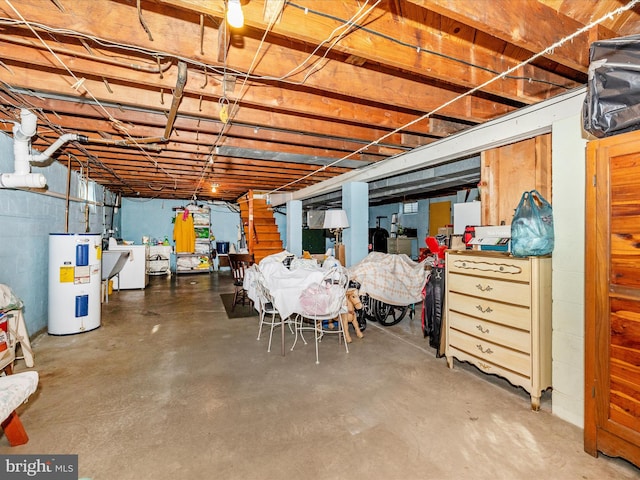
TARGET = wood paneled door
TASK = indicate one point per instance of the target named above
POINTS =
(612, 298)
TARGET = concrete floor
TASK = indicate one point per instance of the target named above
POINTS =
(170, 388)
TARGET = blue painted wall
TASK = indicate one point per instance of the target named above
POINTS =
(419, 220)
(26, 219)
(153, 218)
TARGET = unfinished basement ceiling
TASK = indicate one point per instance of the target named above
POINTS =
(174, 101)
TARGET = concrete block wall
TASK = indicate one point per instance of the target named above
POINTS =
(568, 190)
(26, 219)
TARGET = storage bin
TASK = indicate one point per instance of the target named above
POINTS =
(222, 247)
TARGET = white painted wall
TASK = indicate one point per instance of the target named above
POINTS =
(568, 190)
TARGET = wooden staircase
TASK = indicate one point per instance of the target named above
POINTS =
(260, 228)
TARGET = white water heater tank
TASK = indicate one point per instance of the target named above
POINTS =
(74, 282)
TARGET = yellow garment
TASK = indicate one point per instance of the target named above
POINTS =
(184, 234)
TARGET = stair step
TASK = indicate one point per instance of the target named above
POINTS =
(266, 236)
(268, 244)
(272, 236)
(264, 221)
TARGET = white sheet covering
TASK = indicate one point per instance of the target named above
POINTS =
(14, 390)
(392, 279)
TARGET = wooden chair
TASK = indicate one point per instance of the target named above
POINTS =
(239, 263)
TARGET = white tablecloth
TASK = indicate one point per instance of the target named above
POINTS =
(285, 285)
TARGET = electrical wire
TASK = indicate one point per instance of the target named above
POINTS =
(348, 25)
(233, 110)
(360, 13)
(547, 51)
(344, 24)
(423, 50)
(80, 83)
(21, 101)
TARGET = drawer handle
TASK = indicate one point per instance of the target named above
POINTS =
(482, 330)
(484, 365)
(487, 310)
(488, 351)
(484, 289)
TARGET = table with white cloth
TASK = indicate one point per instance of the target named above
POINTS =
(285, 286)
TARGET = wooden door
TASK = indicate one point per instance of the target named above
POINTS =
(612, 298)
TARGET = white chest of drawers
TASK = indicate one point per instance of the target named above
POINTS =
(498, 317)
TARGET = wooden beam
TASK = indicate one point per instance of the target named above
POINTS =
(500, 19)
(25, 77)
(177, 36)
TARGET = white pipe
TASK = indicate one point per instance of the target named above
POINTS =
(27, 127)
(29, 180)
(67, 137)
(21, 152)
(22, 133)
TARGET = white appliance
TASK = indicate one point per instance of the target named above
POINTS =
(464, 214)
(159, 260)
(134, 273)
(74, 282)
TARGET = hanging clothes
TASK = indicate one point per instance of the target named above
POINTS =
(183, 233)
(432, 309)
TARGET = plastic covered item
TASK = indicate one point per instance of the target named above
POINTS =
(612, 104)
(532, 226)
(8, 299)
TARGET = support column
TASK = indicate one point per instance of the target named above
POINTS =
(355, 201)
(294, 227)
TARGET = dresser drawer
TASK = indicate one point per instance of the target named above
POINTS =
(484, 350)
(498, 334)
(501, 267)
(491, 289)
(487, 367)
(498, 311)
(503, 313)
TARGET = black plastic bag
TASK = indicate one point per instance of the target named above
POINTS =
(532, 226)
(612, 103)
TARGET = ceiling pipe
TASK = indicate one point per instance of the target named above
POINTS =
(22, 133)
(177, 96)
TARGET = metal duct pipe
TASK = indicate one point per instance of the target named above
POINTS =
(177, 96)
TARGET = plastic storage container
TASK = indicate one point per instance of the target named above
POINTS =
(222, 248)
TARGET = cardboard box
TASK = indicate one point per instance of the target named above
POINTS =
(446, 230)
(457, 243)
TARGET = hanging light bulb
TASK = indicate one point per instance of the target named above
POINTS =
(235, 17)
(214, 187)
